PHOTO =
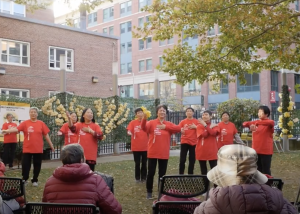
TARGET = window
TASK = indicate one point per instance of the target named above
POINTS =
(219, 29)
(54, 60)
(14, 53)
(213, 106)
(211, 32)
(15, 92)
(161, 61)
(142, 65)
(217, 87)
(129, 47)
(171, 41)
(125, 8)
(297, 81)
(161, 43)
(149, 64)
(167, 89)
(122, 48)
(129, 26)
(123, 69)
(143, 3)
(148, 42)
(108, 13)
(192, 89)
(297, 5)
(52, 93)
(12, 8)
(105, 30)
(274, 80)
(111, 30)
(92, 19)
(251, 85)
(76, 23)
(195, 37)
(129, 67)
(123, 27)
(141, 44)
(126, 91)
(146, 91)
(141, 22)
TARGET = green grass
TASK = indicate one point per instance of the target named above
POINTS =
(132, 196)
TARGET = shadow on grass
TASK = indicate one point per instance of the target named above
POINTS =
(132, 196)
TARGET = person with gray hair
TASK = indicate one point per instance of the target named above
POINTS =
(75, 182)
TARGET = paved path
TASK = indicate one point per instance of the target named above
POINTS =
(102, 159)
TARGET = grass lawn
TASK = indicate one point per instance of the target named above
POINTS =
(132, 196)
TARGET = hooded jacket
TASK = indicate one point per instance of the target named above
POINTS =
(245, 199)
(76, 183)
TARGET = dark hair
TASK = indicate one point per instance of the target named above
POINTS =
(189, 108)
(72, 153)
(137, 110)
(225, 112)
(83, 112)
(161, 106)
(208, 112)
(265, 109)
(71, 112)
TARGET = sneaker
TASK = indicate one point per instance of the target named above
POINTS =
(143, 180)
(25, 183)
(35, 184)
(137, 181)
(149, 195)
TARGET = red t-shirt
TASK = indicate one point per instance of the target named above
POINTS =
(70, 137)
(207, 148)
(159, 139)
(33, 135)
(88, 142)
(228, 138)
(11, 137)
(139, 138)
(190, 135)
(262, 138)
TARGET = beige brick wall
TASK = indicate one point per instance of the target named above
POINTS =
(93, 56)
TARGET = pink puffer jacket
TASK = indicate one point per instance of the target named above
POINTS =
(76, 183)
(245, 199)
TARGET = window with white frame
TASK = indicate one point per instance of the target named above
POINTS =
(297, 5)
(123, 68)
(171, 41)
(126, 91)
(12, 8)
(142, 65)
(129, 47)
(123, 27)
(141, 22)
(108, 13)
(122, 48)
(192, 89)
(105, 30)
(167, 88)
(141, 44)
(129, 67)
(148, 42)
(211, 31)
(52, 93)
(129, 26)
(143, 3)
(161, 61)
(92, 18)
(54, 58)
(149, 64)
(125, 8)
(146, 90)
(15, 92)
(111, 30)
(162, 42)
(14, 52)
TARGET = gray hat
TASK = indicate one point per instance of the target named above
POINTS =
(236, 165)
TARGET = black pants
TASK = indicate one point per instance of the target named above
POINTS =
(9, 153)
(203, 167)
(91, 164)
(162, 169)
(184, 149)
(140, 170)
(26, 165)
(264, 163)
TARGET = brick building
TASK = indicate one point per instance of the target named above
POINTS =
(139, 58)
(30, 62)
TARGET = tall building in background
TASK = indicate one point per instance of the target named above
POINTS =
(139, 58)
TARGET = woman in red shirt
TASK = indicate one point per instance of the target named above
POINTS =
(70, 137)
(34, 130)
(159, 131)
(10, 142)
(262, 139)
(88, 133)
(139, 145)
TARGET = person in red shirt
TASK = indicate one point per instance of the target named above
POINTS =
(33, 144)
(262, 138)
(188, 141)
(159, 131)
(88, 133)
(207, 149)
(70, 137)
(228, 132)
(10, 142)
(139, 145)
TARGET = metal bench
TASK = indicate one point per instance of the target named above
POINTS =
(175, 207)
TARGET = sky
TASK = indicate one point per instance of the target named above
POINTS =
(61, 8)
